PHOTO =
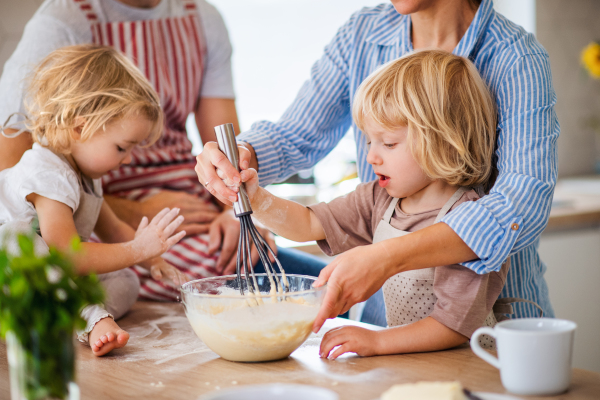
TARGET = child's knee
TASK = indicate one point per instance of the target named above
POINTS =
(122, 288)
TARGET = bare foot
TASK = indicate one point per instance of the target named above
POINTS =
(107, 336)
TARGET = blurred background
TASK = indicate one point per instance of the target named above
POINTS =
(276, 42)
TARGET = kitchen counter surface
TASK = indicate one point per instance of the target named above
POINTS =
(165, 360)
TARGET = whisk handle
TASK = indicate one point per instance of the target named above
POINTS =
(228, 145)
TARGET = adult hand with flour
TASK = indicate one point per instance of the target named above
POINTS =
(251, 188)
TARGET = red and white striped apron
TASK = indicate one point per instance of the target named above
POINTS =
(170, 52)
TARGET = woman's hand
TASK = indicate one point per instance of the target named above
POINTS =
(159, 269)
(352, 277)
(197, 215)
(349, 339)
(224, 234)
(154, 238)
(212, 159)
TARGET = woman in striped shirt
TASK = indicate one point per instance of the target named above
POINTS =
(480, 235)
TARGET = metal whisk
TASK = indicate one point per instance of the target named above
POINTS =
(248, 234)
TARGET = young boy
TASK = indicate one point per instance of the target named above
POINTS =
(430, 123)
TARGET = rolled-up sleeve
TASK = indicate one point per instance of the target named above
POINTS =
(516, 211)
(314, 123)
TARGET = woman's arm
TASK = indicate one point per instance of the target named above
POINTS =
(212, 112)
(58, 229)
(424, 335)
(308, 130)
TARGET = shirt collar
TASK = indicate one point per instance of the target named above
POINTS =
(392, 28)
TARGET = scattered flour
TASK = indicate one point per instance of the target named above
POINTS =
(165, 338)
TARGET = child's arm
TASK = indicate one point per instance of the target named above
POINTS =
(110, 229)
(284, 217)
(152, 239)
(424, 335)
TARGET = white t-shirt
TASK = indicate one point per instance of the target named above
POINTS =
(59, 23)
(43, 172)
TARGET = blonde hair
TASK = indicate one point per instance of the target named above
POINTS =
(89, 83)
(449, 112)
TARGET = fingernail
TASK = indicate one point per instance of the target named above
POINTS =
(245, 164)
(233, 198)
(236, 179)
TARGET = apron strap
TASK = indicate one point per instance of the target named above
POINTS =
(6, 125)
(450, 203)
(387, 217)
(504, 305)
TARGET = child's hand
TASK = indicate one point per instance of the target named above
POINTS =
(154, 238)
(159, 269)
(350, 339)
(249, 178)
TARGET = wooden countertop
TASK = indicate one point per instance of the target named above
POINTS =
(576, 204)
(165, 360)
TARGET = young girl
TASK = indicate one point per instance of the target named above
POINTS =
(88, 108)
(430, 124)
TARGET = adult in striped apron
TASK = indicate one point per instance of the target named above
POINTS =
(170, 52)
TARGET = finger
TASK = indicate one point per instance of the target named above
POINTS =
(220, 161)
(174, 275)
(193, 229)
(168, 231)
(167, 219)
(244, 156)
(215, 158)
(345, 348)
(254, 256)
(228, 182)
(249, 175)
(228, 249)
(155, 273)
(271, 242)
(159, 216)
(203, 216)
(173, 240)
(328, 344)
(325, 274)
(143, 224)
(183, 278)
(329, 308)
(214, 238)
(231, 267)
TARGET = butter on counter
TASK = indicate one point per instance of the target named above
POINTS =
(425, 391)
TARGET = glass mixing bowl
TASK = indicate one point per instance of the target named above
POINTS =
(251, 328)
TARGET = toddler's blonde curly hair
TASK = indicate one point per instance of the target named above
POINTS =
(448, 109)
(88, 84)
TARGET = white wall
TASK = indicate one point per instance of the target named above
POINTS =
(573, 276)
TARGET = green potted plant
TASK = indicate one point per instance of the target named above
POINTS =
(41, 297)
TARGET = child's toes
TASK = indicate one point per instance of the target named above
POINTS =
(111, 336)
(104, 339)
(122, 338)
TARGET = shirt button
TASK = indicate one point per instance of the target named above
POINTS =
(515, 227)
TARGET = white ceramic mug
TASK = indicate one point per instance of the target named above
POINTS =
(534, 354)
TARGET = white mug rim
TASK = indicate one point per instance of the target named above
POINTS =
(570, 326)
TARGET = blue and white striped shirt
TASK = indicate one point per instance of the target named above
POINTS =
(508, 221)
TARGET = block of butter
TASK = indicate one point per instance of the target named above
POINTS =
(425, 391)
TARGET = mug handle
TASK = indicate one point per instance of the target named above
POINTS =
(479, 351)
